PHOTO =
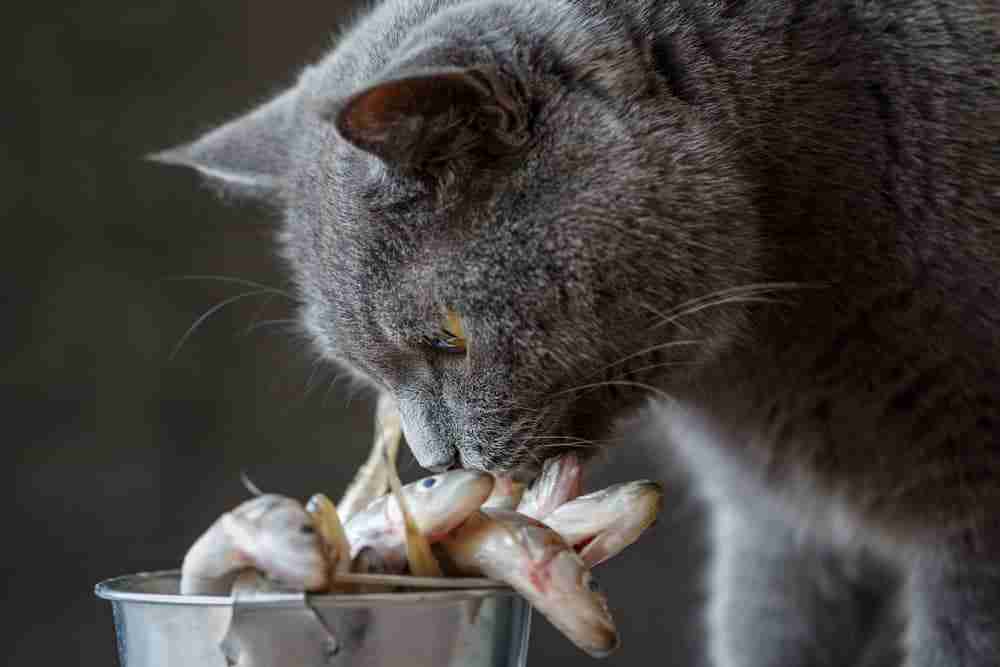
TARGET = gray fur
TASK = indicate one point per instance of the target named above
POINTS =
(777, 221)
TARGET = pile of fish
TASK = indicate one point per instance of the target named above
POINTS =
(542, 541)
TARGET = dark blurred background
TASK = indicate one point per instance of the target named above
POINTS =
(125, 434)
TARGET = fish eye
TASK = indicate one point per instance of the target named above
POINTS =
(307, 529)
(429, 482)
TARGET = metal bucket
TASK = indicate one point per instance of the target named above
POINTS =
(157, 627)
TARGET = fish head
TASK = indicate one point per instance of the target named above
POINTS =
(583, 615)
(559, 583)
(441, 502)
(279, 537)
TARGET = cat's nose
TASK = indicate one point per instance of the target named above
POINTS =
(426, 444)
(440, 460)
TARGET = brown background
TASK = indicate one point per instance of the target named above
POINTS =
(121, 452)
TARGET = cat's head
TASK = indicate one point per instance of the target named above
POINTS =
(498, 169)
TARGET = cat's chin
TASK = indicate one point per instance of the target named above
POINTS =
(526, 470)
(519, 466)
(525, 473)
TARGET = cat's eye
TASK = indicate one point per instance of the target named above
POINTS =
(446, 341)
(451, 336)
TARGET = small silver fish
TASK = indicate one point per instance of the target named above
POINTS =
(438, 503)
(603, 523)
(270, 533)
(538, 564)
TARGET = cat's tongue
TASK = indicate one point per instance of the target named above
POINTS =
(561, 480)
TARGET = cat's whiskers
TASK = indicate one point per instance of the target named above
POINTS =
(593, 452)
(650, 367)
(258, 289)
(354, 387)
(749, 288)
(649, 350)
(672, 319)
(508, 407)
(563, 446)
(238, 281)
(524, 418)
(318, 366)
(751, 293)
(211, 311)
(610, 383)
(532, 423)
(560, 440)
(581, 444)
(291, 322)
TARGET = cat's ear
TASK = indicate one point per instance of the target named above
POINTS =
(433, 117)
(248, 156)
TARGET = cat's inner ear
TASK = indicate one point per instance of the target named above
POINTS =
(249, 155)
(434, 117)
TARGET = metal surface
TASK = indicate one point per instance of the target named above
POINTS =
(157, 627)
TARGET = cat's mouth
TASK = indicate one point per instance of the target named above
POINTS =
(525, 466)
(578, 428)
(525, 473)
(520, 466)
(518, 445)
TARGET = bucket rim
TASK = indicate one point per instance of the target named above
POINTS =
(122, 589)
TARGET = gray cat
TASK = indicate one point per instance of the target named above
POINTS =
(772, 225)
